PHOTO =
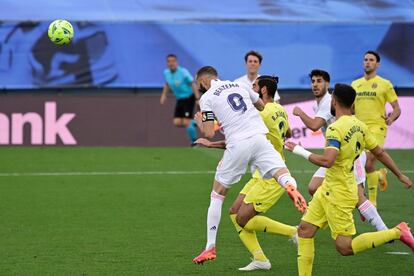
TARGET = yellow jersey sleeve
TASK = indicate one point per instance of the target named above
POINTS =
(390, 95)
(333, 138)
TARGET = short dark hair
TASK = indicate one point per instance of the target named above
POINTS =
(171, 56)
(207, 70)
(253, 53)
(344, 94)
(270, 82)
(320, 73)
(372, 52)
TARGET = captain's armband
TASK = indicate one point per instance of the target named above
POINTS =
(207, 116)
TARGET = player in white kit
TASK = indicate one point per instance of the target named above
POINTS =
(323, 118)
(253, 61)
(235, 107)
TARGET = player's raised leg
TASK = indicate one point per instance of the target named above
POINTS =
(368, 211)
(374, 239)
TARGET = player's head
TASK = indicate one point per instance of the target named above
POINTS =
(266, 85)
(343, 97)
(320, 82)
(205, 75)
(371, 61)
(172, 62)
(253, 61)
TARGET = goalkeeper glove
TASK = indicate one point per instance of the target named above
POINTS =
(297, 198)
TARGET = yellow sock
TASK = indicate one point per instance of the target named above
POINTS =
(373, 180)
(306, 252)
(249, 240)
(265, 224)
(374, 239)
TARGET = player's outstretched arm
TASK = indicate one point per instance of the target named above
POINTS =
(312, 123)
(210, 144)
(327, 159)
(386, 159)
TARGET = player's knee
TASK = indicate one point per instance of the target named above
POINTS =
(369, 168)
(370, 165)
(177, 123)
(344, 249)
(242, 220)
(304, 231)
(233, 210)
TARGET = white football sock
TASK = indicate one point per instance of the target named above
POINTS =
(213, 218)
(368, 210)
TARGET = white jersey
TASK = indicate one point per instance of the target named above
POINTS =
(232, 105)
(244, 79)
(323, 110)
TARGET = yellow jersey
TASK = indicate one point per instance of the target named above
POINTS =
(276, 120)
(371, 97)
(350, 137)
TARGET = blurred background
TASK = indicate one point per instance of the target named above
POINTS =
(110, 77)
(96, 180)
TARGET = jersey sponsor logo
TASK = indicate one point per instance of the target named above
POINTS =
(46, 127)
(366, 94)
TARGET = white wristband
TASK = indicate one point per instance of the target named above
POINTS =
(299, 150)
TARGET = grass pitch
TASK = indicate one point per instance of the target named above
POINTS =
(142, 211)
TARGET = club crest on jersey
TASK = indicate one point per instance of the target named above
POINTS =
(374, 85)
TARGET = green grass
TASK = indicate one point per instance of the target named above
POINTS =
(155, 224)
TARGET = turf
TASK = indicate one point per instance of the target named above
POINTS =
(154, 224)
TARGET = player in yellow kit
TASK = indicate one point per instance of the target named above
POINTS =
(259, 195)
(334, 201)
(372, 94)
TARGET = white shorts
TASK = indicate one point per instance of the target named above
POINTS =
(255, 151)
(359, 169)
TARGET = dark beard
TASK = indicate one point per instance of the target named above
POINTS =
(202, 89)
(260, 95)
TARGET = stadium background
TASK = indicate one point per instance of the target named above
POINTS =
(115, 61)
(113, 211)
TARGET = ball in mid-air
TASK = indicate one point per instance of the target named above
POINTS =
(60, 32)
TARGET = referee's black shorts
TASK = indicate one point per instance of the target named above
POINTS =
(185, 107)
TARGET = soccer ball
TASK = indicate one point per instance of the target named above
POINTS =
(60, 32)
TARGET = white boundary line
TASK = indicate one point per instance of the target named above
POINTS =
(11, 174)
(107, 173)
(397, 253)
